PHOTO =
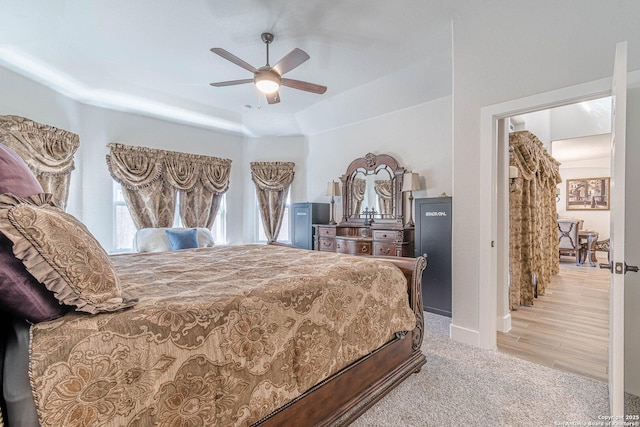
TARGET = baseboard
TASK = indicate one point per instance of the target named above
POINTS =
(464, 335)
(503, 324)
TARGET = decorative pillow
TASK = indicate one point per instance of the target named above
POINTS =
(157, 240)
(182, 239)
(20, 293)
(59, 251)
(15, 176)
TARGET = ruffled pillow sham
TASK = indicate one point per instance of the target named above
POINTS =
(61, 253)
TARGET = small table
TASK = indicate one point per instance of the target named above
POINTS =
(589, 246)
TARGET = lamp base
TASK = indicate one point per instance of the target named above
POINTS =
(331, 220)
(410, 223)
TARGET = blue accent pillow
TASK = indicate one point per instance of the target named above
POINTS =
(182, 239)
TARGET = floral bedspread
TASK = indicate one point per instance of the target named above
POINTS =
(221, 336)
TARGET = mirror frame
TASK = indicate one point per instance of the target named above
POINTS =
(370, 163)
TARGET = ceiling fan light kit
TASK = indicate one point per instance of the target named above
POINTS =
(268, 79)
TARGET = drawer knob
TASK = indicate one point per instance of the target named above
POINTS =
(386, 252)
(363, 249)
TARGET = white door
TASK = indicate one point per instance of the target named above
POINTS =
(616, 282)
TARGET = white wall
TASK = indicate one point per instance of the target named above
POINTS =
(90, 198)
(550, 45)
(419, 138)
(581, 119)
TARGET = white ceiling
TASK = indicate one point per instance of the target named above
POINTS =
(585, 148)
(152, 57)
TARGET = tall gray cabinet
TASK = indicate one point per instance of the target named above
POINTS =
(303, 216)
(433, 240)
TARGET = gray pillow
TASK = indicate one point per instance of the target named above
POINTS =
(182, 239)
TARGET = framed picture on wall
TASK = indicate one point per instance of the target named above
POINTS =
(588, 194)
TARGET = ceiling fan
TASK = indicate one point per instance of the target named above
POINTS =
(268, 79)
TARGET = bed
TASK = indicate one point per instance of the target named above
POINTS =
(274, 342)
(226, 335)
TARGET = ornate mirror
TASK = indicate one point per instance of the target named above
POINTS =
(371, 190)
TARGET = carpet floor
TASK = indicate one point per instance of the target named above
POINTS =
(463, 385)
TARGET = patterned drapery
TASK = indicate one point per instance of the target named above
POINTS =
(358, 188)
(533, 240)
(48, 151)
(383, 190)
(272, 181)
(150, 179)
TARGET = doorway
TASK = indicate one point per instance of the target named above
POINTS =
(573, 313)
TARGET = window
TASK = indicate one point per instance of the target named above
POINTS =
(219, 230)
(284, 229)
(125, 230)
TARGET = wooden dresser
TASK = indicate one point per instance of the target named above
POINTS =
(365, 239)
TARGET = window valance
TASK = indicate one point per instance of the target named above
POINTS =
(150, 179)
(138, 167)
(47, 150)
(272, 175)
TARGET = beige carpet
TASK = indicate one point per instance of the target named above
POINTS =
(466, 386)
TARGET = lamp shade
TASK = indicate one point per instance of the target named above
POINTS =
(333, 189)
(411, 182)
(513, 172)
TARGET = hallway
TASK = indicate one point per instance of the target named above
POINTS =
(568, 327)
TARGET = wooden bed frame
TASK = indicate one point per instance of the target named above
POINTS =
(343, 397)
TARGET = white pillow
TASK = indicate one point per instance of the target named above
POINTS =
(156, 240)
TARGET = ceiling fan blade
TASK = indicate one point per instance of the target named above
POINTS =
(232, 82)
(306, 86)
(273, 98)
(291, 60)
(231, 57)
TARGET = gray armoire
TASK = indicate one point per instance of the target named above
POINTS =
(433, 240)
(303, 216)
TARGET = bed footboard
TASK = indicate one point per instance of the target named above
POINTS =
(343, 397)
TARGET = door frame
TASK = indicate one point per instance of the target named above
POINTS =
(493, 185)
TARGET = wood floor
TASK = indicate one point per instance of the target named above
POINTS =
(568, 327)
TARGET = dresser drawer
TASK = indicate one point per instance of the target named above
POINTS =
(386, 235)
(385, 249)
(353, 247)
(327, 231)
(327, 244)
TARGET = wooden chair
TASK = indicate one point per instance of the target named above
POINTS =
(603, 246)
(568, 242)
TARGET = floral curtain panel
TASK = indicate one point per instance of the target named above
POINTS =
(533, 219)
(383, 190)
(358, 188)
(48, 151)
(272, 181)
(150, 179)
